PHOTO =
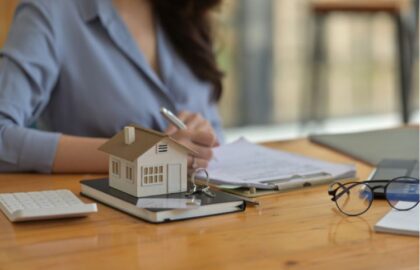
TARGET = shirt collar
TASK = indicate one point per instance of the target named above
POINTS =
(107, 15)
(92, 9)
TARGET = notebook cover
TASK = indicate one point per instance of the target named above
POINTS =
(373, 146)
(389, 169)
(400, 222)
(102, 185)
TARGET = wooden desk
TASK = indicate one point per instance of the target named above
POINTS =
(293, 230)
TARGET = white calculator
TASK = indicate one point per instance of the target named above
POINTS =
(50, 204)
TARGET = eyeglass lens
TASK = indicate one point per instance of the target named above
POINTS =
(403, 193)
(354, 198)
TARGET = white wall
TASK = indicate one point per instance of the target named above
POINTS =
(121, 182)
(175, 155)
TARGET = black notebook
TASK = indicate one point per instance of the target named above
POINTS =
(100, 190)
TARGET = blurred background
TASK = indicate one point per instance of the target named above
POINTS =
(298, 67)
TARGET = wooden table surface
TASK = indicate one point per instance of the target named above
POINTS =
(292, 230)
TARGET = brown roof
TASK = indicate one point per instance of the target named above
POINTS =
(145, 139)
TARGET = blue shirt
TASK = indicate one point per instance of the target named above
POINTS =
(72, 67)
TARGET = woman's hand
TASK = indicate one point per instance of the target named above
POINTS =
(199, 136)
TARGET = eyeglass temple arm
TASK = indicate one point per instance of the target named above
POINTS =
(333, 191)
(345, 190)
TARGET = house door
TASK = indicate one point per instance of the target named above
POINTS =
(174, 178)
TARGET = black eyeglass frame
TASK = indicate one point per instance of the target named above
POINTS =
(346, 188)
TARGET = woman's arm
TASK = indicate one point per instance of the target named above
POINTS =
(29, 69)
(80, 155)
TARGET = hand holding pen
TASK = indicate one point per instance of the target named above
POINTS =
(195, 132)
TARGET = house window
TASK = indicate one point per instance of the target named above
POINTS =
(161, 148)
(115, 168)
(153, 175)
(129, 173)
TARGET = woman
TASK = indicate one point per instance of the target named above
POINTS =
(81, 70)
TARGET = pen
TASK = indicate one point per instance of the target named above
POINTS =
(172, 118)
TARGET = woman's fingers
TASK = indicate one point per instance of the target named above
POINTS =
(171, 129)
(195, 142)
(183, 116)
(191, 120)
(202, 152)
(194, 120)
(195, 163)
(206, 127)
(204, 138)
(196, 124)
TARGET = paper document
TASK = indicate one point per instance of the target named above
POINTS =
(246, 164)
(400, 222)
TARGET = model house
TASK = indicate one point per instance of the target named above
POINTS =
(144, 162)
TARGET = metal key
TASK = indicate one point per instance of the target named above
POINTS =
(208, 192)
(193, 190)
(196, 190)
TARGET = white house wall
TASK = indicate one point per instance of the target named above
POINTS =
(175, 155)
(121, 182)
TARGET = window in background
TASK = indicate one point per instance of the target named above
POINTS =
(361, 63)
(263, 46)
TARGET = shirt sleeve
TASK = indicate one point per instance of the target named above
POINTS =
(29, 68)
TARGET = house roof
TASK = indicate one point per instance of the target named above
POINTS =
(145, 139)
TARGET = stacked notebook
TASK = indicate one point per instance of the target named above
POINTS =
(373, 146)
(400, 222)
(100, 190)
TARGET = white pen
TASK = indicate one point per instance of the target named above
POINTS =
(172, 118)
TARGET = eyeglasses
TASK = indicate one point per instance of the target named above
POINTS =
(355, 198)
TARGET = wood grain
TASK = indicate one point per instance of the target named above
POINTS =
(7, 8)
(293, 230)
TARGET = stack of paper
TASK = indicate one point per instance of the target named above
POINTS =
(242, 163)
(400, 222)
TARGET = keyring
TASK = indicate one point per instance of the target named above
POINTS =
(206, 190)
(199, 170)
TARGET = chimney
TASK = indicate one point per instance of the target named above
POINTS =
(129, 135)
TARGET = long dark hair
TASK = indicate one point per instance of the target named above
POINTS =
(189, 28)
